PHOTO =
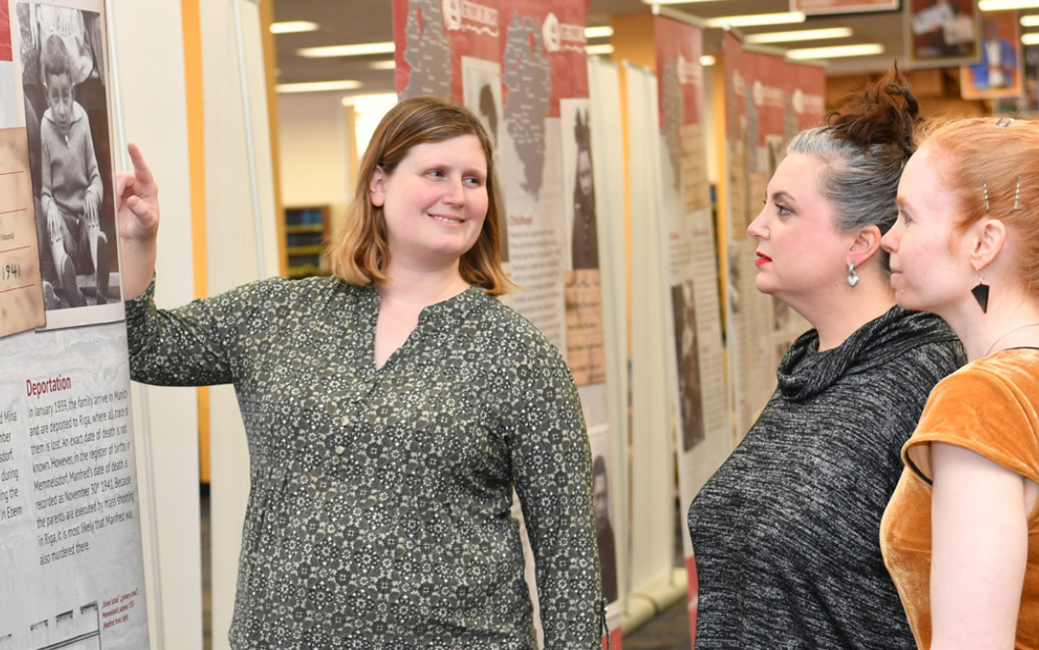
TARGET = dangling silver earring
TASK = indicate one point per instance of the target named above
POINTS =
(853, 278)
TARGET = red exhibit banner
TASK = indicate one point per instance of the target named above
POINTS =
(679, 72)
(5, 33)
(435, 32)
(547, 34)
(806, 85)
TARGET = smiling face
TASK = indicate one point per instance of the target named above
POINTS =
(800, 254)
(930, 270)
(433, 203)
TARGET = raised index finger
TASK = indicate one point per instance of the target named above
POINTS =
(142, 173)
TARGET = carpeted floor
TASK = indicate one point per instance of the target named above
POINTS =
(669, 630)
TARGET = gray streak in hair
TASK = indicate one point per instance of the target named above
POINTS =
(859, 182)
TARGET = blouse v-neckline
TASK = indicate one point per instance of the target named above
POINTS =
(434, 314)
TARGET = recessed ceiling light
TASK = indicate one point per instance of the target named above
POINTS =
(318, 86)
(594, 50)
(1030, 39)
(383, 65)
(707, 60)
(600, 31)
(1005, 5)
(799, 35)
(838, 51)
(293, 27)
(1030, 20)
(360, 49)
(755, 20)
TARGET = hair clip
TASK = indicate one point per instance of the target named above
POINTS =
(1017, 193)
(984, 185)
(1004, 121)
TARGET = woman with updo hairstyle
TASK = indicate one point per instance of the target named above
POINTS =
(961, 534)
(786, 533)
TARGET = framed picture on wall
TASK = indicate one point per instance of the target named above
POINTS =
(999, 72)
(941, 33)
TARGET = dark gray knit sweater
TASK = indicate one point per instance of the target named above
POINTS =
(787, 533)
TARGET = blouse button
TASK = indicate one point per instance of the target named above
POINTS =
(340, 449)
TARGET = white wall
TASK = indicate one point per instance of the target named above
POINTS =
(313, 141)
(152, 93)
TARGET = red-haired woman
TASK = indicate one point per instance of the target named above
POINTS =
(961, 534)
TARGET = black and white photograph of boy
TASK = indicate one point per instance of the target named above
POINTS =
(62, 59)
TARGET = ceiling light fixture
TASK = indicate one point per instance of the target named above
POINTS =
(318, 86)
(380, 102)
(707, 60)
(799, 35)
(595, 50)
(1030, 39)
(599, 31)
(756, 20)
(383, 65)
(360, 49)
(1006, 5)
(293, 27)
(836, 52)
(1030, 20)
(672, 2)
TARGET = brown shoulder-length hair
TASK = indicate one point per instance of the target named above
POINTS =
(359, 253)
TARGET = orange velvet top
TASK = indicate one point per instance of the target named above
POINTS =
(989, 407)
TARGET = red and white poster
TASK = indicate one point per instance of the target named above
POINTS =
(521, 67)
(768, 100)
(703, 432)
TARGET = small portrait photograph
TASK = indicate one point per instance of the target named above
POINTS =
(604, 535)
(579, 185)
(941, 32)
(687, 354)
(481, 90)
(999, 72)
(61, 58)
(1030, 101)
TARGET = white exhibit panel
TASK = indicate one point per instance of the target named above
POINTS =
(652, 457)
(93, 586)
(152, 103)
(608, 165)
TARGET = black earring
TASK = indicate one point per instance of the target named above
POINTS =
(980, 292)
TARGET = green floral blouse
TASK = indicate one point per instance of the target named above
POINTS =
(378, 514)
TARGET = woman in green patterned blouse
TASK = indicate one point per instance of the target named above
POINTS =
(390, 411)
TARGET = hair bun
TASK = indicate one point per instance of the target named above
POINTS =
(884, 113)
